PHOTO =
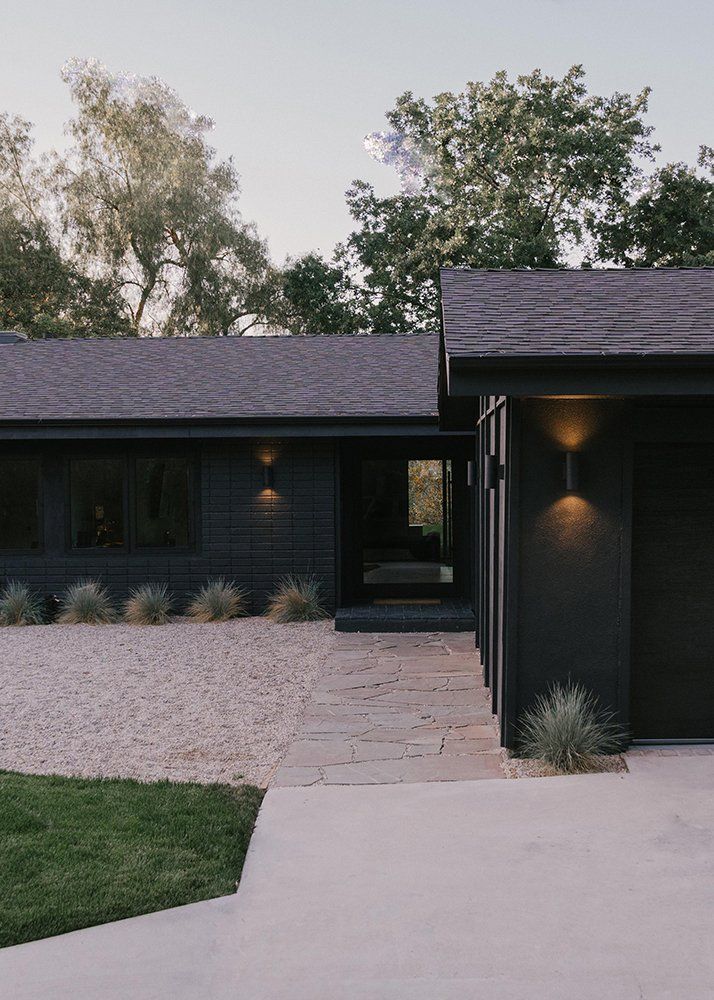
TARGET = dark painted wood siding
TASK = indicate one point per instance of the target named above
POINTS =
(672, 668)
(494, 444)
(243, 531)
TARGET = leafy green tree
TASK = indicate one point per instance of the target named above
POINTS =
(43, 295)
(669, 224)
(318, 297)
(504, 174)
(41, 292)
(148, 206)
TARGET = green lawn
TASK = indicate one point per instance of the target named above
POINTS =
(76, 852)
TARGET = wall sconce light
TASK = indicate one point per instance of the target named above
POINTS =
(470, 473)
(268, 477)
(571, 470)
(490, 472)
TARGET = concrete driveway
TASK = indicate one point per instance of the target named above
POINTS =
(581, 888)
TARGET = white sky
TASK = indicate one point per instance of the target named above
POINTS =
(295, 85)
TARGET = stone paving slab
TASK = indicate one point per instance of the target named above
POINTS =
(396, 709)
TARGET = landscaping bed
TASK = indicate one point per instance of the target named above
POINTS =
(216, 702)
(76, 852)
(525, 767)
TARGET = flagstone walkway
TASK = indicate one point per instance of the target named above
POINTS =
(396, 708)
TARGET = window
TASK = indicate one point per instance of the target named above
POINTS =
(19, 503)
(97, 502)
(407, 522)
(158, 492)
(162, 502)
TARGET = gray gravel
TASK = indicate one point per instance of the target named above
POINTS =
(217, 702)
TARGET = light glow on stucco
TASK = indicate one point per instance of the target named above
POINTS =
(572, 421)
(570, 523)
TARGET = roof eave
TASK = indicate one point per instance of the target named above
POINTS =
(621, 374)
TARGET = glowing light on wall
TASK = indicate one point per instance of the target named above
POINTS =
(266, 453)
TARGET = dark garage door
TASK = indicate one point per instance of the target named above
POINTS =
(673, 592)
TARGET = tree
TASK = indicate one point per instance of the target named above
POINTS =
(148, 207)
(504, 174)
(41, 292)
(670, 223)
(318, 297)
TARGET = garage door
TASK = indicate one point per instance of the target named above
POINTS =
(672, 684)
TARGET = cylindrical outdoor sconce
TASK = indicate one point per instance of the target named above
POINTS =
(268, 477)
(470, 473)
(571, 470)
(490, 472)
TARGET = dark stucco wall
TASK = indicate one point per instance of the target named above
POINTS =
(568, 617)
(245, 532)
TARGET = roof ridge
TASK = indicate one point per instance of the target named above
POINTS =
(570, 270)
(224, 339)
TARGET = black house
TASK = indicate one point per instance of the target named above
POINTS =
(560, 482)
(592, 393)
(178, 460)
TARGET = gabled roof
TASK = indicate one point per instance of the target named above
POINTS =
(626, 311)
(230, 379)
(635, 331)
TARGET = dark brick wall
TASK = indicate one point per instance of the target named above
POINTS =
(245, 532)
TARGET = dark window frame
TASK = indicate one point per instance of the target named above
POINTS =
(129, 499)
(37, 458)
(353, 588)
(192, 514)
(94, 551)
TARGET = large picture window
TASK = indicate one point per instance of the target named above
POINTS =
(19, 503)
(97, 502)
(162, 502)
(155, 489)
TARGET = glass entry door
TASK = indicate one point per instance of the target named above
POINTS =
(406, 530)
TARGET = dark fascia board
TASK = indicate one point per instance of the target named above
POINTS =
(455, 413)
(197, 429)
(587, 374)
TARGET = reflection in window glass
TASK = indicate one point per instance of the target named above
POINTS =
(162, 502)
(97, 503)
(406, 521)
(19, 503)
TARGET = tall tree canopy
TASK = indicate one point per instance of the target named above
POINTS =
(134, 229)
(318, 297)
(147, 205)
(41, 291)
(531, 173)
(669, 224)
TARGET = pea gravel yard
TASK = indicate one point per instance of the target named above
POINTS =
(187, 702)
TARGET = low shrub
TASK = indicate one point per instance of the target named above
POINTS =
(86, 602)
(19, 606)
(150, 604)
(217, 601)
(567, 728)
(297, 599)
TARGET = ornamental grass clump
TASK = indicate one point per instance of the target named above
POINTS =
(86, 602)
(568, 730)
(19, 606)
(297, 599)
(217, 601)
(150, 604)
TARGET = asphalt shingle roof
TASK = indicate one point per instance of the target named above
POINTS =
(607, 312)
(243, 378)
